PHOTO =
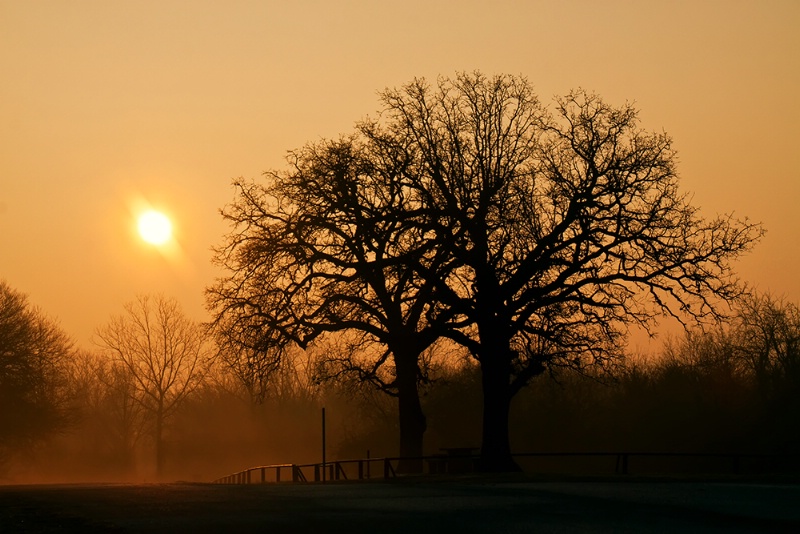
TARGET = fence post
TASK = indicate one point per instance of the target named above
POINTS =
(263, 474)
(278, 474)
(295, 476)
(340, 471)
(323, 445)
(316, 472)
(622, 463)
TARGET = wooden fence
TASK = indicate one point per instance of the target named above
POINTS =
(457, 461)
(361, 469)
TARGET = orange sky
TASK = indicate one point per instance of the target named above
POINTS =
(106, 107)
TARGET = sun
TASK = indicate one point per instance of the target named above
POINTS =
(155, 227)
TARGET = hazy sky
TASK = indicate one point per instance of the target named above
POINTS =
(110, 106)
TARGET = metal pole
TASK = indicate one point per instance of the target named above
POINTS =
(323, 444)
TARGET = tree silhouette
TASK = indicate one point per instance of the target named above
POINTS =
(767, 332)
(323, 248)
(766, 339)
(108, 420)
(33, 353)
(532, 237)
(566, 226)
(162, 353)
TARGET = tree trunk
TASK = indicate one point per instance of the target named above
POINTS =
(412, 419)
(496, 382)
(159, 443)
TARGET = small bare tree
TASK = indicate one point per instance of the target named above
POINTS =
(108, 418)
(165, 355)
(767, 332)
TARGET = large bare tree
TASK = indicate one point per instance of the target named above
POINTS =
(324, 248)
(567, 226)
(163, 354)
(534, 237)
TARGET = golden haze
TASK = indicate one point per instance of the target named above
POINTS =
(102, 103)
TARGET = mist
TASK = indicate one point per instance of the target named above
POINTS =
(695, 396)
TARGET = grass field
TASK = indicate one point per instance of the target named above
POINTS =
(413, 505)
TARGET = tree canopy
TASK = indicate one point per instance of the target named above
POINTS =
(33, 354)
(534, 236)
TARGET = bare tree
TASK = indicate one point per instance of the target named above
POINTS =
(470, 211)
(320, 249)
(109, 419)
(564, 226)
(163, 353)
(767, 339)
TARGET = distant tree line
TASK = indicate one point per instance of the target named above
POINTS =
(78, 414)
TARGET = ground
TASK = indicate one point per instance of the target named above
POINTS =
(421, 505)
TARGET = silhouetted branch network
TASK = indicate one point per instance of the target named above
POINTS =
(469, 211)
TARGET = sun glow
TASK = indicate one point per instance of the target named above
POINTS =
(155, 227)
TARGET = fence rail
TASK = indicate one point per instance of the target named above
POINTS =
(460, 462)
(360, 469)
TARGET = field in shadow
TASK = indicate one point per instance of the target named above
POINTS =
(424, 504)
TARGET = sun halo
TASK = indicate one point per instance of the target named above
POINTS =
(154, 227)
